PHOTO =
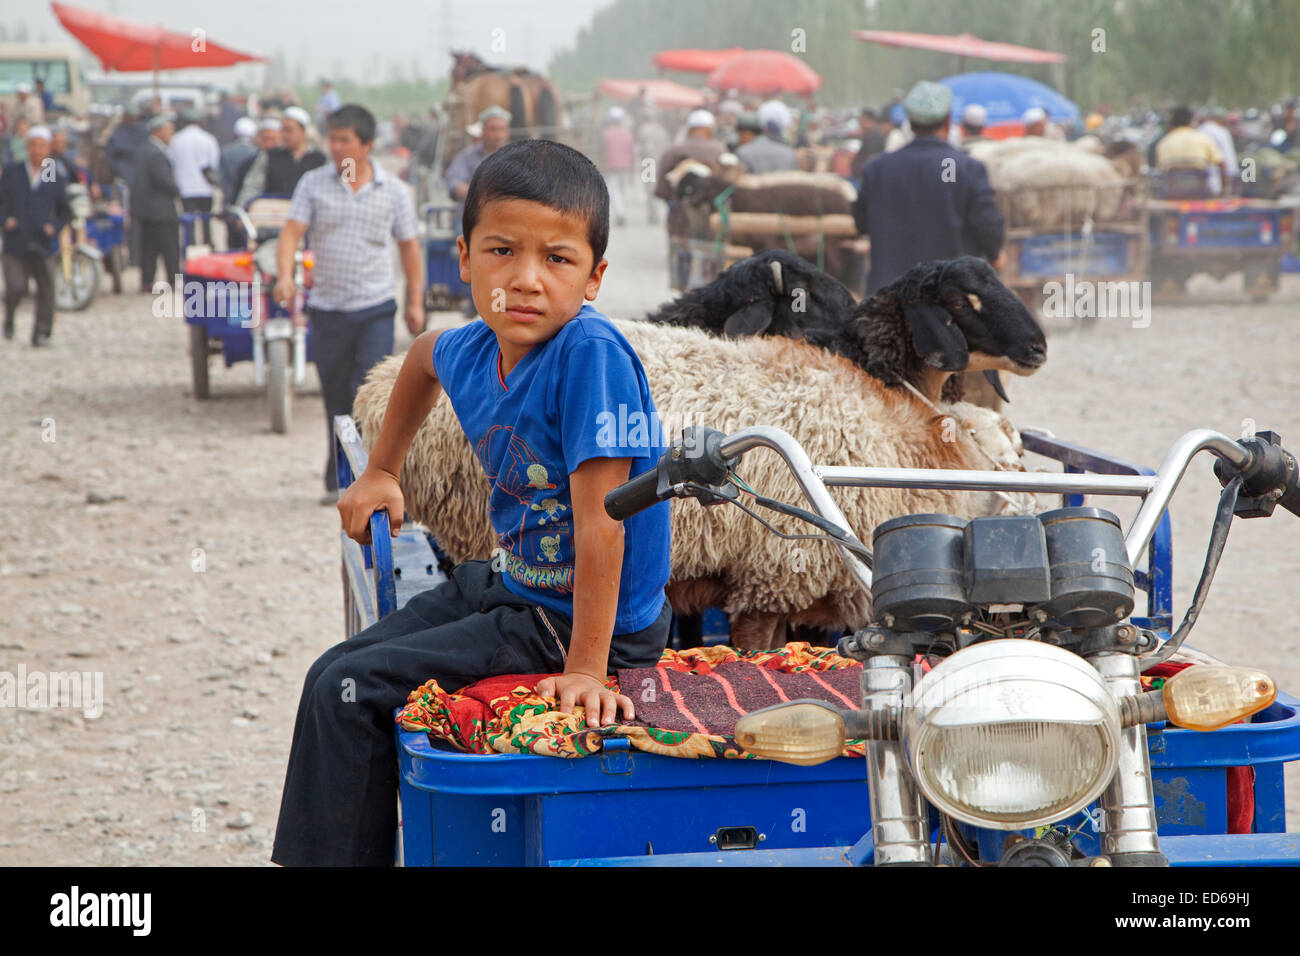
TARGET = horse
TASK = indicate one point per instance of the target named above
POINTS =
(531, 99)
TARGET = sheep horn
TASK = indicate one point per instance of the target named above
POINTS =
(993, 379)
(777, 277)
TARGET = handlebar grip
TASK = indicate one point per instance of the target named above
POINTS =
(1290, 499)
(633, 496)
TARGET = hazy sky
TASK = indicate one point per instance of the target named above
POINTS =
(358, 36)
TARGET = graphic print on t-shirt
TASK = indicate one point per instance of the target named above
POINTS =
(539, 551)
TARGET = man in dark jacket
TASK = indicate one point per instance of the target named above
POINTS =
(276, 171)
(153, 204)
(123, 143)
(33, 208)
(926, 200)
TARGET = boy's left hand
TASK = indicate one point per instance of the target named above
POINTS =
(602, 703)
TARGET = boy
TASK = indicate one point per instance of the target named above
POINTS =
(581, 594)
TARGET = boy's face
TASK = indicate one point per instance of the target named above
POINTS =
(530, 269)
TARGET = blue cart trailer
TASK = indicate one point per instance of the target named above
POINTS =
(1219, 237)
(623, 807)
(1107, 245)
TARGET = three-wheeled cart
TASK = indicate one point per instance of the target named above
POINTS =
(626, 807)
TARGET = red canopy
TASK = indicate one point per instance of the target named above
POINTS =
(765, 71)
(964, 44)
(694, 61)
(664, 93)
(122, 45)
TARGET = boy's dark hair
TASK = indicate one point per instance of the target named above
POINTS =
(1180, 116)
(545, 172)
(355, 117)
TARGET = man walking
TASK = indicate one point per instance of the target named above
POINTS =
(328, 101)
(354, 211)
(234, 154)
(619, 158)
(153, 204)
(33, 208)
(195, 156)
(926, 200)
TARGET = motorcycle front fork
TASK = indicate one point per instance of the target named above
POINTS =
(899, 814)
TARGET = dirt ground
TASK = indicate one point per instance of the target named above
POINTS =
(177, 548)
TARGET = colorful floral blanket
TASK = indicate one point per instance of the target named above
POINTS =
(686, 706)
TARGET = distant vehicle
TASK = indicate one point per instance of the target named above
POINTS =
(176, 98)
(123, 91)
(59, 67)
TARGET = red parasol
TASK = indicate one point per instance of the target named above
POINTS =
(694, 61)
(129, 47)
(961, 45)
(765, 71)
(663, 93)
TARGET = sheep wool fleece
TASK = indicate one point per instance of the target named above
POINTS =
(581, 395)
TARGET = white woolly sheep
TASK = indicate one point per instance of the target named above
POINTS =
(720, 556)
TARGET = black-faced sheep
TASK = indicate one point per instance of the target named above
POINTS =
(938, 318)
(721, 557)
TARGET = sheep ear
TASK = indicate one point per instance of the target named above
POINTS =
(753, 319)
(936, 337)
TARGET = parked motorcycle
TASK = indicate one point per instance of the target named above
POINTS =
(1001, 691)
(76, 264)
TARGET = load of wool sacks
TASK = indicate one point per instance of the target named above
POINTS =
(1046, 183)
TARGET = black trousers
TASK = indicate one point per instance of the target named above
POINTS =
(202, 227)
(17, 270)
(339, 806)
(345, 346)
(159, 239)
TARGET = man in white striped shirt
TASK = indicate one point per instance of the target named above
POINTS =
(355, 212)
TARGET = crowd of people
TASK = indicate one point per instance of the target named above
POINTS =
(160, 165)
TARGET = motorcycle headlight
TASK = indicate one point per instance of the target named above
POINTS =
(1012, 734)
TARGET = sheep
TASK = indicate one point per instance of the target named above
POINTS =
(774, 292)
(940, 317)
(721, 557)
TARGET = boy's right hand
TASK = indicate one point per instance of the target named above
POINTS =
(374, 490)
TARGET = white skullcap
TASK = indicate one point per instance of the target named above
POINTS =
(974, 115)
(298, 115)
(700, 118)
(494, 112)
(245, 127)
(1035, 114)
(774, 112)
(23, 88)
(270, 122)
(39, 132)
(615, 113)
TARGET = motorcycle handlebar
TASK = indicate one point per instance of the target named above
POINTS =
(634, 496)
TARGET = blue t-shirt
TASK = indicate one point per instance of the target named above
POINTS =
(580, 395)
